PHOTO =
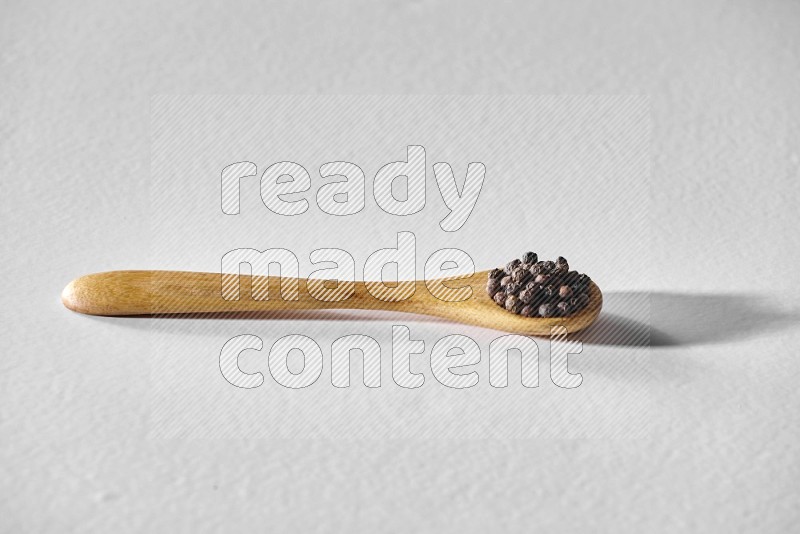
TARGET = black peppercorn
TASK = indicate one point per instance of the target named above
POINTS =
(535, 269)
(512, 303)
(505, 281)
(530, 257)
(565, 292)
(539, 296)
(526, 295)
(520, 275)
(562, 262)
(563, 309)
(551, 292)
(571, 278)
(512, 288)
(548, 267)
(542, 279)
(510, 266)
(527, 311)
(496, 273)
(500, 298)
(492, 286)
(546, 310)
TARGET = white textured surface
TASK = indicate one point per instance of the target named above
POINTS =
(723, 77)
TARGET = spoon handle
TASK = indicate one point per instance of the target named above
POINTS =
(171, 292)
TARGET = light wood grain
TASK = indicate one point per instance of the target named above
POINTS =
(175, 292)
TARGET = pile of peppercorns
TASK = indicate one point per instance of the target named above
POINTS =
(533, 288)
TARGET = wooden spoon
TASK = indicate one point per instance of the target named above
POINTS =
(174, 292)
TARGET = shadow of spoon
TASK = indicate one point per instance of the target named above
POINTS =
(663, 319)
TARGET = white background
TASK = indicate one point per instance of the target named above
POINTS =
(723, 79)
